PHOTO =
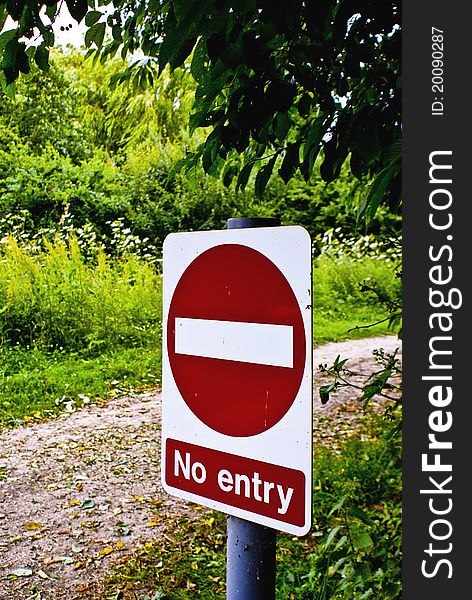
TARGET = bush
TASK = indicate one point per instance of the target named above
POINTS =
(56, 300)
(354, 549)
(339, 281)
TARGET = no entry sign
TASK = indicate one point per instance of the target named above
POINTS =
(237, 422)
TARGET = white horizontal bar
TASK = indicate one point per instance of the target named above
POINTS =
(259, 343)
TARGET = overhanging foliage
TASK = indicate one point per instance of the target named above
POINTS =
(277, 83)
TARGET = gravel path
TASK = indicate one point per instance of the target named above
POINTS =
(82, 491)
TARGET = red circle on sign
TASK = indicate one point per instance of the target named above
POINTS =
(232, 282)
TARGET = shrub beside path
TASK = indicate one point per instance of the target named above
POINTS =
(80, 492)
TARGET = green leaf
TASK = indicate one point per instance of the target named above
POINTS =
(312, 145)
(375, 385)
(325, 391)
(197, 119)
(263, 176)
(182, 8)
(244, 174)
(9, 60)
(362, 515)
(394, 151)
(41, 57)
(30, 53)
(77, 8)
(175, 36)
(342, 540)
(367, 142)
(92, 17)
(207, 157)
(339, 504)
(290, 162)
(191, 172)
(338, 363)
(216, 167)
(197, 67)
(376, 192)
(181, 34)
(282, 125)
(51, 11)
(15, 8)
(189, 165)
(6, 36)
(178, 166)
(22, 59)
(332, 535)
(95, 35)
(229, 175)
(48, 36)
(184, 50)
(315, 134)
(362, 541)
(116, 33)
(9, 89)
(304, 105)
(3, 16)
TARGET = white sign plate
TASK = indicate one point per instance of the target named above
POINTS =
(237, 373)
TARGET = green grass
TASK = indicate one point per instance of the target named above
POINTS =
(351, 553)
(35, 385)
(336, 325)
(341, 310)
(74, 330)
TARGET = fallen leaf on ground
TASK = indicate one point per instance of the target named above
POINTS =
(22, 572)
(153, 523)
(32, 525)
(42, 574)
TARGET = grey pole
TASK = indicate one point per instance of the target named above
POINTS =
(250, 548)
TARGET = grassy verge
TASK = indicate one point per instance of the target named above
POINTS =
(341, 308)
(351, 553)
(35, 385)
(337, 325)
(74, 330)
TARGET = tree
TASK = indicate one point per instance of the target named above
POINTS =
(75, 109)
(277, 84)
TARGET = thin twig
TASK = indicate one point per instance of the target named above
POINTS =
(373, 324)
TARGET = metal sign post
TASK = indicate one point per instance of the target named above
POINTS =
(250, 560)
(250, 548)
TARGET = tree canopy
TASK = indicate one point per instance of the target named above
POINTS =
(277, 84)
